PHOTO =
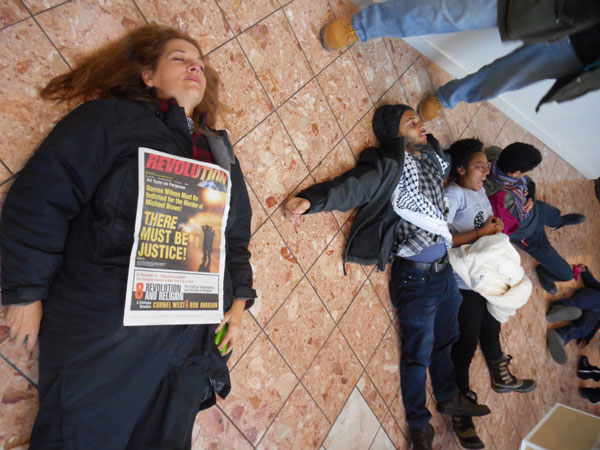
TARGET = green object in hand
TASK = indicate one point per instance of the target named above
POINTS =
(219, 337)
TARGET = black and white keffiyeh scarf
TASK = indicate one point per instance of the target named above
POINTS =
(420, 201)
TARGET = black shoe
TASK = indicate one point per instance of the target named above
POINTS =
(421, 438)
(558, 313)
(585, 370)
(546, 280)
(504, 381)
(464, 429)
(555, 345)
(460, 404)
(591, 394)
(571, 219)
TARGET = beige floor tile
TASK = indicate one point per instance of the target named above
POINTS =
(375, 66)
(364, 323)
(332, 376)
(31, 62)
(276, 57)
(371, 396)
(307, 17)
(242, 14)
(311, 124)
(275, 272)
(300, 327)
(325, 276)
(202, 20)
(261, 383)
(355, 427)
(384, 367)
(272, 166)
(212, 429)
(345, 91)
(80, 27)
(300, 424)
(244, 103)
(12, 11)
(19, 407)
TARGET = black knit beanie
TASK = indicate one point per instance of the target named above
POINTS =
(386, 121)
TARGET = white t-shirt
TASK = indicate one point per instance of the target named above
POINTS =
(468, 210)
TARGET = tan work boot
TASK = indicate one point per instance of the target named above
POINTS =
(430, 108)
(338, 34)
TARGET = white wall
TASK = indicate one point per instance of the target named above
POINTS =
(571, 129)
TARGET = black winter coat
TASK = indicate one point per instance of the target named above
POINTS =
(369, 185)
(66, 236)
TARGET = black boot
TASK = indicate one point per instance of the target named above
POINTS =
(465, 429)
(585, 370)
(591, 394)
(546, 279)
(421, 438)
(571, 219)
(460, 404)
(503, 380)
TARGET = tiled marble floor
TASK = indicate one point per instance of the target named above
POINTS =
(318, 362)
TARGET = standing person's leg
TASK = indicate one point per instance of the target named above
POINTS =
(404, 18)
(469, 324)
(522, 67)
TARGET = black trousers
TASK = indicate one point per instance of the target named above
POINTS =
(476, 324)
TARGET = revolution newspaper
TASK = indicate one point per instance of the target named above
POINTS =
(178, 258)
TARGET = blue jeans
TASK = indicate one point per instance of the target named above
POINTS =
(405, 18)
(588, 300)
(522, 67)
(427, 305)
(538, 246)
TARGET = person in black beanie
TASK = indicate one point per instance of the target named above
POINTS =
(512, 195)
(402, 220)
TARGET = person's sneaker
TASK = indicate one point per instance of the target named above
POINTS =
(555, 344)
(338, 34)
(558, 313)
(460, 404)
(545, 281)
(464, 429)
(571, 219)
(585, 370)
(591, 394)
(430, 108)
(421, 438)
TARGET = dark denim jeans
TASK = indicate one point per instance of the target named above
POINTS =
(427, 305)
(588, 300)
(540, 249)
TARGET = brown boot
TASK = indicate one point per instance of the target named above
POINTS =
(430, 108)
(338, 34)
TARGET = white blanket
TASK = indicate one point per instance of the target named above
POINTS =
(491, 267)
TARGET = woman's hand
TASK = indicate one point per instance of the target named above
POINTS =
(490, 227)
(24, 323)
(528, 205)
(233, 319)
(296, 206)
